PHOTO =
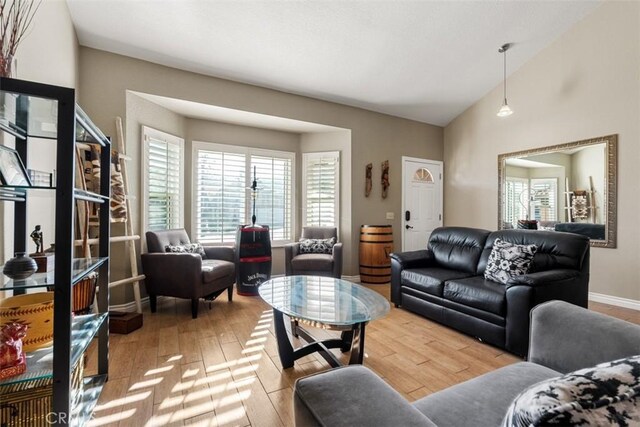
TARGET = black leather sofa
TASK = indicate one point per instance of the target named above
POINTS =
(446, 283)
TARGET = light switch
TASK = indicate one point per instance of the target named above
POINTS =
(391, 215)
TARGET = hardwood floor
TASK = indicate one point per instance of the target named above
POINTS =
(222, 369)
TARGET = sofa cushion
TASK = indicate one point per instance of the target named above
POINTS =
(508, 260)
(187, 248)
(477, 292)
(430, 280)
(458, 248)
(607, 394)
(213, 269)
(484, 400)
(555, 249)
(317, 246)
(312, 262)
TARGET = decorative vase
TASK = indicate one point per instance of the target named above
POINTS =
(20, 267)
(6, 63)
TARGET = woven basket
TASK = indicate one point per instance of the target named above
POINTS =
(27, 404)
(33, 310)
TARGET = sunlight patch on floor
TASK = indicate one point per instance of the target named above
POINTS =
(205, 394)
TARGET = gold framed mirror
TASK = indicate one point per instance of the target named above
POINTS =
(567, 187)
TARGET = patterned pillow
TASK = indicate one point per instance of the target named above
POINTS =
(508, 260)
(317, 246)
(188, 248)
(607, 394)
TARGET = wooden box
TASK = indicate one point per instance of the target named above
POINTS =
(123, 322)
(46, 262)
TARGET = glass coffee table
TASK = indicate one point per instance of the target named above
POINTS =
(322, 302)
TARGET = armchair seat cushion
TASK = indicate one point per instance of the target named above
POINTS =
(312, 262)
(213, 269)
(477, 292)
(430, 280)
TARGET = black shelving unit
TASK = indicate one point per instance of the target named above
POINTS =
(72, 334)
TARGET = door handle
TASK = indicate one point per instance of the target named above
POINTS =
(408, 227)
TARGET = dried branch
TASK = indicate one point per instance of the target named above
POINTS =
(16, 17)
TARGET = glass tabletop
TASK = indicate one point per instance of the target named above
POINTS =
(325, 300)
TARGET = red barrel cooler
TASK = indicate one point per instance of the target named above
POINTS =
(253, 258)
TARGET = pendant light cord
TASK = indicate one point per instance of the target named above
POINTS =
(505, 75)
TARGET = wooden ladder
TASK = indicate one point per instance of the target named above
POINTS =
(129, 238)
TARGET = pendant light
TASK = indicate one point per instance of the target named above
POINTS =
(505, 110)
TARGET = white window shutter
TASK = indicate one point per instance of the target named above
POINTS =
(163, 181)
(321, 189)
(273, 204)
(220, 195)
(222, 177)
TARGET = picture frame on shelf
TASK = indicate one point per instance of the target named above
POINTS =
(12, 171)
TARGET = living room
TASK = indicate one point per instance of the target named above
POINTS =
(580, 84)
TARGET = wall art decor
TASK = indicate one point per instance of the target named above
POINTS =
(385, 178)
(368, 181)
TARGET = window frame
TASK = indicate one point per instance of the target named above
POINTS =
(248, 152)
(147, 133)
(303, 206)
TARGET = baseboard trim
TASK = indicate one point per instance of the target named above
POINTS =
(129, 307)
(617, 301)
(354, 279)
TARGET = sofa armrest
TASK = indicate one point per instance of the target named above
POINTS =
(290, 250)
(543, 278)
(352, 396)
(172, 274)
(224, 253)
(413, 259)
(565, 337)
(337, 260)
(405, 260)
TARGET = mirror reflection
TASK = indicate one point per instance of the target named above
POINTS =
(569, 187)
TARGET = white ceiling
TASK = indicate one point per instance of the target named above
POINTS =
(423, 60)
(196, 110)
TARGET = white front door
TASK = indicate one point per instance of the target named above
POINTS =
(421, 201)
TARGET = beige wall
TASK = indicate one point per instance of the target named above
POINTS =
(584, 85)
(105, 77)
(47, 54)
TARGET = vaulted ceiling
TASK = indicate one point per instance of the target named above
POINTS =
(422, 60)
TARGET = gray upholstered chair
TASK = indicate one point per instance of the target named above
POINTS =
(186, 275)
(329, 265)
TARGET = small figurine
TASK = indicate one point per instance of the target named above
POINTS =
(36, 236)
(12, 357)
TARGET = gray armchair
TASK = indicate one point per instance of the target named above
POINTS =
(329, 265)
(186, 275)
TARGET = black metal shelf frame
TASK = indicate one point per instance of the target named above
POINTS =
(68, 116)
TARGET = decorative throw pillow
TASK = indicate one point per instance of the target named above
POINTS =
(508, 260)
(317, 246)
(188, 248)
(606, 394)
